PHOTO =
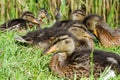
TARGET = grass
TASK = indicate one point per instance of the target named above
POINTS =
(19, 62)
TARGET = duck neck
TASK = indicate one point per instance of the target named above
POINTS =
(58, 62)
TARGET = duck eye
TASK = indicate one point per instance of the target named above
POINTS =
(28, 39)
(67, 42)
(88, 24)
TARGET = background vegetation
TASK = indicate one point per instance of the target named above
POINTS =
(109, 9)
(19, 62)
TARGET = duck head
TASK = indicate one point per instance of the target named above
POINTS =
(62, 43)
(90, 21)
(78, 14)
(28, 16)
(42, 13)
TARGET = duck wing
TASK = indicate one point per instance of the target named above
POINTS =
(12, 24)
(102, 58)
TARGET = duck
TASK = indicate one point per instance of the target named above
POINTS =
(42, 13)
(107, 37)
(77, 28)
(39, 38)
(25, 21)
(42, 37)
(69, 62)
(77, 16)
(84, 37)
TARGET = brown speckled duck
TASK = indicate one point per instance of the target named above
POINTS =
(42, 13)
(40, 38)
(72, 63)
(44, 36)
(77, 16)
(77, 29)
(25, 21)
(108, 37)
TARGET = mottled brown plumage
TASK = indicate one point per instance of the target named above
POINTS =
(79, 14)
(39, 38)
(26, 20)
(42, 13)
(75, 27)
(44, 36)
(69, 62)
(78, 30)
(108, 37)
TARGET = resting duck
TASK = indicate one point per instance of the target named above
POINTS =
(77, 16)
(44, 36)
(84, 37)
(42, 13)
(71, 63)
(107, 36)
(77, 29)
(25, 21)
(39, 38)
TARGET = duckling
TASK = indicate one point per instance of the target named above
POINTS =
(70, 62)
(77, 16)
(55, 8)
(44, 36)
(77, 29)
(27, 17)
(40, 38)
(84, 37)
(42, 13)
(31, 20)
(107, 36)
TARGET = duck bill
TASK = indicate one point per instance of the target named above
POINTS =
(50, 50)
(95, 32)
(35, 21)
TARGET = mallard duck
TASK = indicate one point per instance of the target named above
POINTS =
(42, 13)
(80, 32)
(77, 29)
(39, 38)
(107, 36)
(25, 21)
(44, 36)
(70, 62)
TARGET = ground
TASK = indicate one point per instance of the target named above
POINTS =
(19, 62)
